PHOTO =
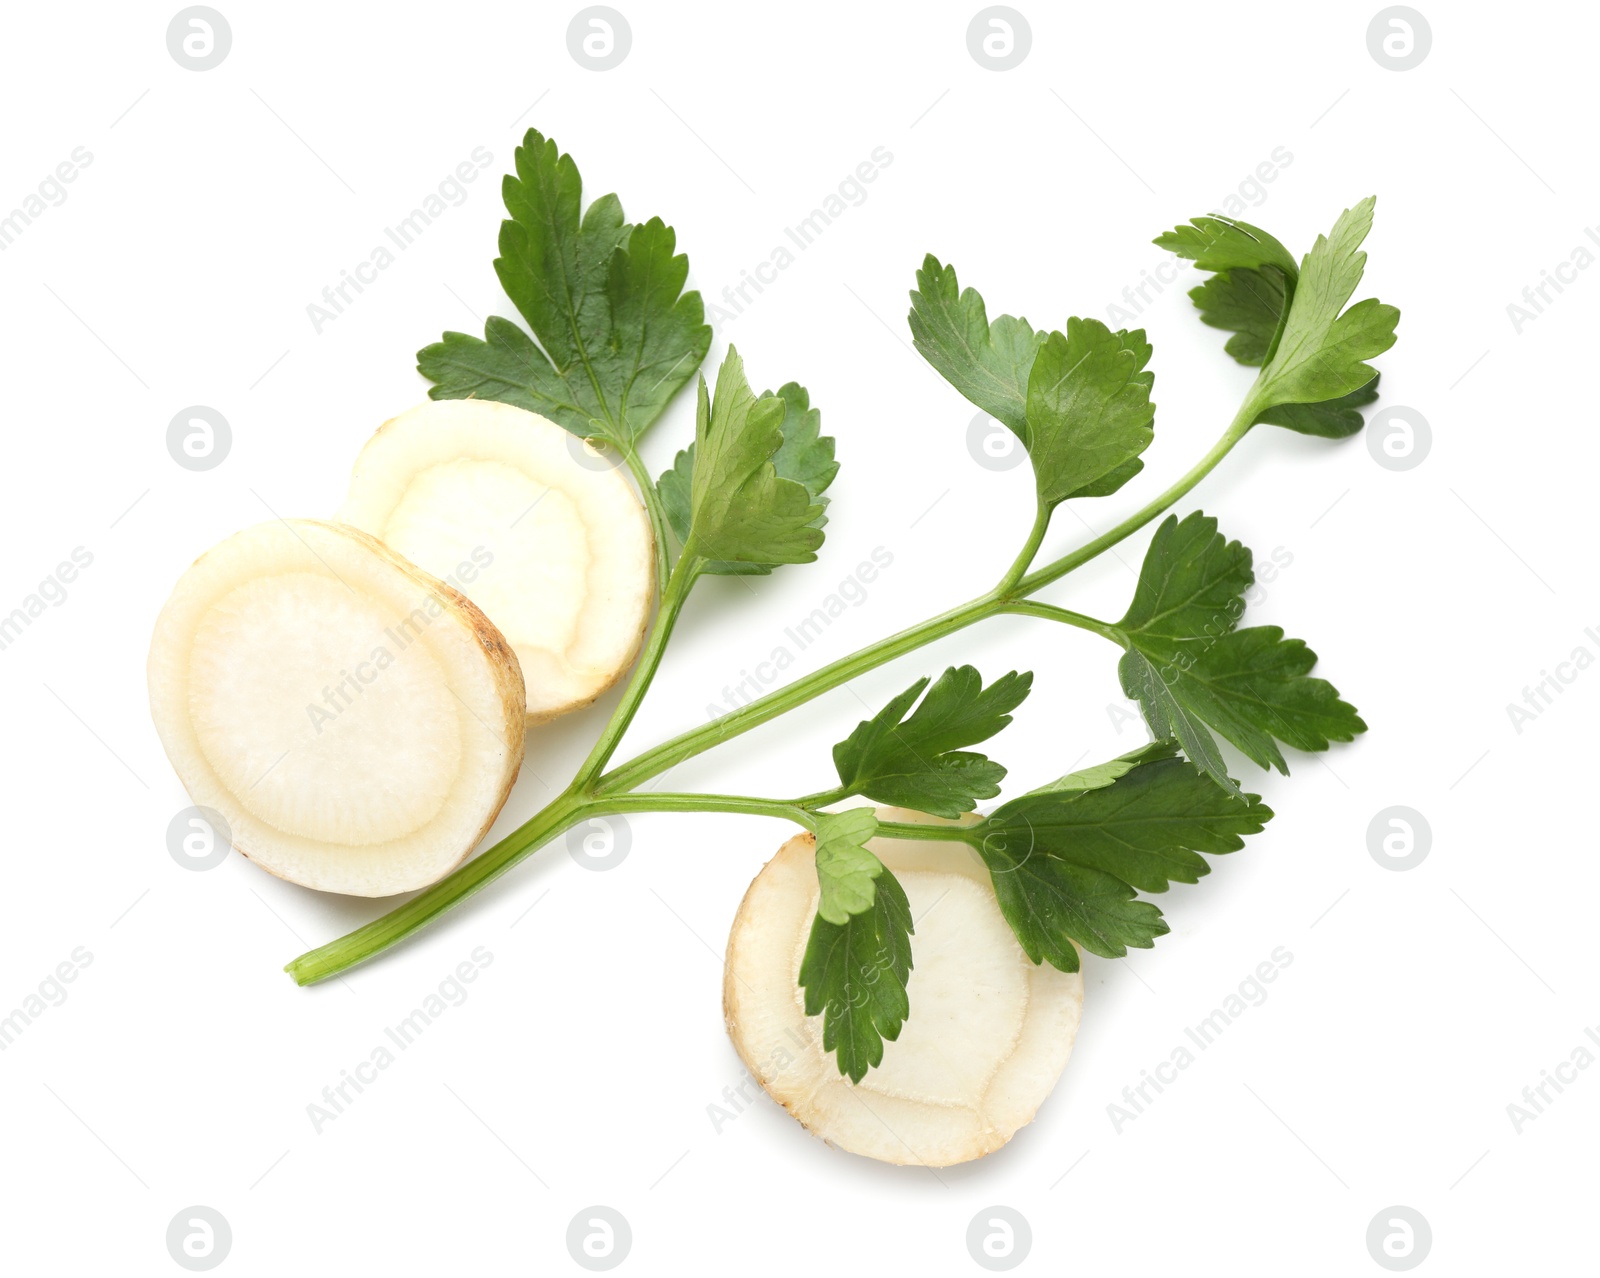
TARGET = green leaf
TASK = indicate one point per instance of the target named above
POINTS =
(1254, 685)
(1321, 352)
(1331, 419)
(1225, 244)
(918, 761)
(805, 456)
(845, 869)
(743, 511)
(1255, 282)
(854, 974)
(1192, 583)
(1193, 673)
(988, 363)
(1089, 414)
(1067, 864)
(617, 335)
(1098, 776)
(1249, 304)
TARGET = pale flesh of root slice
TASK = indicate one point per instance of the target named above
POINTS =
(356, 722)
(541, 531)
(989, 1031)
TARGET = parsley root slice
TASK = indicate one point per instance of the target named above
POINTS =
(356, 722)
(988, 1032)
(531, 523)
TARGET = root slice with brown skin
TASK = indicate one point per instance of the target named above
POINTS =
(989, 1031)
(542, 532)
(357, 722)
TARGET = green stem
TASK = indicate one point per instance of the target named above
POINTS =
(686, 745)
(1049, 612)
(672, 599)
(1030, 548)
(379, 935)
(590, 797)
(1237, 429)
(652, 506)
(916, 830)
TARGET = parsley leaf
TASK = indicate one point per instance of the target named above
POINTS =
(1331, 419)
(1066, 864)
(1193, 673)
(988, 363)
(1321, 352)
(1079, 401)
(845, 869)
(617, 335)
(918, 762)
(1099, 775)
(806, 455)
(1249, 304)
(1251, 294)
(1225, 244)
(1089, 413)
(743, 512)
(854, 974)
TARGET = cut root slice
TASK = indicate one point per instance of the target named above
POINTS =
(989, 1031)
(356, 721)
(537, 528)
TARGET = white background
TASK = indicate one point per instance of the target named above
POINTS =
(1418, 1005)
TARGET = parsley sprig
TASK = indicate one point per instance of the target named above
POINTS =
(612, 336)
